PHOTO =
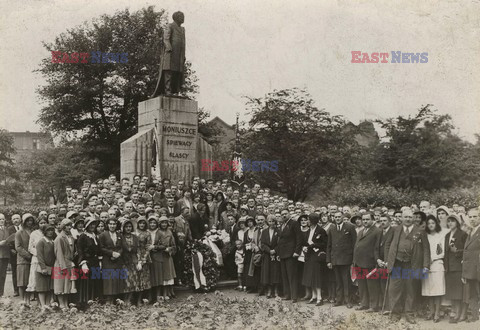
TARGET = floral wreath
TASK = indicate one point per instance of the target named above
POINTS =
(209, 267)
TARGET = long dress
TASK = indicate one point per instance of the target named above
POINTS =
(453, 265)
(167, 239)
(301, 264)
(45, 261)
(32, 243)
(130, 259)
(90, 284)
(113, 283)
(64, 250)
(156, 273)
(270, 272)
(251, 272)
(163, 269)
(22, 238)
(434, 283)
(144, 240)
(315, 258)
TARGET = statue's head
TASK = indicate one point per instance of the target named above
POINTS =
(178, 17)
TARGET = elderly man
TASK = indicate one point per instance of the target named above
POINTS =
(425, 207)
(470, 265)
(409, 253)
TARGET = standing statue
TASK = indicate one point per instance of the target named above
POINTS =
(171, 76)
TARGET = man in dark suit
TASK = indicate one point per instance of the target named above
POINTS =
(173, 209)
(16, 221)
(4, 253)
(409, 251)
(471, 265)
(364, 257)
(152, 195)
(341, 242)
(252, 210)
(383, 246)
(288, 249)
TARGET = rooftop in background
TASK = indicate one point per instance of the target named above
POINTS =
(228, 135)
(26, 142)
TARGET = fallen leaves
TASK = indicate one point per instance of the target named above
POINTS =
(216, 310)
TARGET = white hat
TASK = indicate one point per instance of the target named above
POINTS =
(71, 214)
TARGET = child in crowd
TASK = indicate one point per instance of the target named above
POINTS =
(239, 256)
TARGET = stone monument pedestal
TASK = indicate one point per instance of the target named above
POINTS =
(174, 122)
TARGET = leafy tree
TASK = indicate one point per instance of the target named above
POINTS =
(308, 143)
(10, 187)
(97, 102)
(51, 170)
(211, 132)
(422, 152)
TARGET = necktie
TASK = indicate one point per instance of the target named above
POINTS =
(365, 231)
(407, 231)
(339, 227)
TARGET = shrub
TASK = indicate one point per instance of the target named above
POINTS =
(373, 194)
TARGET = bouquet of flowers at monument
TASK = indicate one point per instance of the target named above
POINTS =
(201, 267)
(217, 240)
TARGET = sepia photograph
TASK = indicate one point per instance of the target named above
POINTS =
(225, 164)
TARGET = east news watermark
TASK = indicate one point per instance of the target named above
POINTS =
(245, 165)
(96, 57)
(389, 57)
(96, 273)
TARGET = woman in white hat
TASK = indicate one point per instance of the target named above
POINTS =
(46, 261)
(63, 279)
(144, 260)
(32, 243)
(131, 253)
(168, 249)
(24, 257)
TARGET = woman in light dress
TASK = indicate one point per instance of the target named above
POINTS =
(433, 285)
(32, 244)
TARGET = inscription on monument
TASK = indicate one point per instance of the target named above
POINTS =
(178, 142)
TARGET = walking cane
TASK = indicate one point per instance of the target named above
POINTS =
(385, 295)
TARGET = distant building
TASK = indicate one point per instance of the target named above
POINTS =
(228, 136)
(365, 133)
(27, 142)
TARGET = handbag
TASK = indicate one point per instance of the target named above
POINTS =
(38, 269)
(322, 256)
(257, 259)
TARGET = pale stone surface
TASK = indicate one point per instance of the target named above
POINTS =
(180, 145)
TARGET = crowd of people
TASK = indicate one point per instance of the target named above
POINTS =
(127, 239)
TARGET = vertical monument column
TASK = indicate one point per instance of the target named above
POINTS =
(177, 134)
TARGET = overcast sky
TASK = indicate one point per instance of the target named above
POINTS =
(245, 47)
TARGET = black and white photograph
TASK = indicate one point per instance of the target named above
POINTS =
(225, 164)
